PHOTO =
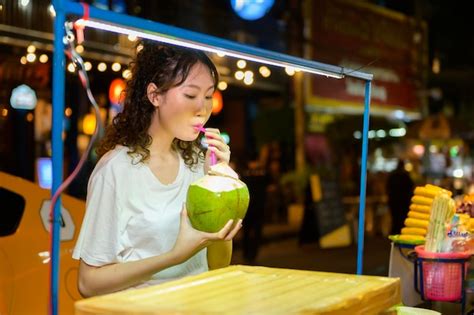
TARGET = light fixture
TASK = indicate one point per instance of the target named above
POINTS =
(381, 133)
(68, 112)
(241, 63)
(397, 132)
(290, 71)
(222, 85)
(71, 68)
(239, 75)
(248, 80)
(43, 58)
(31, 49)
(116, 67)
(79, 49)
(264, 71)
(88, 65)
(126, 74)
(31, 57)
(102, 67)
(204, 47)
(248, 74)
(23, 60)
(132, 37)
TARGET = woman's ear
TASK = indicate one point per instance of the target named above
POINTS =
(153, 94)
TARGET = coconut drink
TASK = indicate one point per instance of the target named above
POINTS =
(216, 198)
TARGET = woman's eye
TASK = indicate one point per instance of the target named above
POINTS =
(191, 97)
(209, 97)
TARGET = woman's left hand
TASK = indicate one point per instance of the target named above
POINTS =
(217, 145)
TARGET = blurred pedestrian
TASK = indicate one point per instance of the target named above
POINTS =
(257, 180)
(399, 191)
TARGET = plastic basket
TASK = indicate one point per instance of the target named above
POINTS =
(442, 274)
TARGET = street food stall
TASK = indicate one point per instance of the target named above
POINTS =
(233, 289)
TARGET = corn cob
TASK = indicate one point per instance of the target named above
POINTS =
(425, 192)
(419, 200)
(407, 237)
(409, 222)
(439, 189)
(420, 208)
(418, 215)
(413, 231)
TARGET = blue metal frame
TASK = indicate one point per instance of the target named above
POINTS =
(57, 147)
(64, 7)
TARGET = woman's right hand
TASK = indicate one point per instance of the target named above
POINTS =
(190, 241)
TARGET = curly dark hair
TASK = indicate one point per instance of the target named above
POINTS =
(166, 66)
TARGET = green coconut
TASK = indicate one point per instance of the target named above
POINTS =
(216, 198)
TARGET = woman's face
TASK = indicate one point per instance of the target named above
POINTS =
(182, 108)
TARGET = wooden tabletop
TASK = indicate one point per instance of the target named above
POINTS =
(254, 290)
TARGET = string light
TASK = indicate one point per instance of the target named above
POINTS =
(241, 64)
(71, 68)
(80, 49)
(126, 74)
(264, 71)
(290, 71)
(31, 49)
(31, 57)
(116, 67)
(43, 58)
(87, 65)
(222, 85)
(239, 75)
(102, 67)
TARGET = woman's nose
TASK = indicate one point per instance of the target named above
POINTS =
(204, 107)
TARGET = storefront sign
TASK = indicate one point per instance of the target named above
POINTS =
(375, 40)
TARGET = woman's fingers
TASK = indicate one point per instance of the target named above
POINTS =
(227, 233)
(217, 144)
(234, 231)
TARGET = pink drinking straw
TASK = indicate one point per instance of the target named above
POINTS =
(213, 154)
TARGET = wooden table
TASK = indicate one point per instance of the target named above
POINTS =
(254, 290)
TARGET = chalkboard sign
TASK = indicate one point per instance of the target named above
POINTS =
(329, 211)
(325, 215)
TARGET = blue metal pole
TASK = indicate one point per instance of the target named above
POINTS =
(363, 178)
(57, 144)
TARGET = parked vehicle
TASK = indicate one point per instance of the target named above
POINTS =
(25, 248)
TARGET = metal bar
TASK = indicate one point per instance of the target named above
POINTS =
(363, 180)
(175, 33)
(57, 145)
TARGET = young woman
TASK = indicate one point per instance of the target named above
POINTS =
(136, 231)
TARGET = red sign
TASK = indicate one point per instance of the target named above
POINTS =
(359, 35)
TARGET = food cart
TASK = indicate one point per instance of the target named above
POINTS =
(284, 284)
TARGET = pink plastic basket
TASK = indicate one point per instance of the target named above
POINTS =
(442, 279)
